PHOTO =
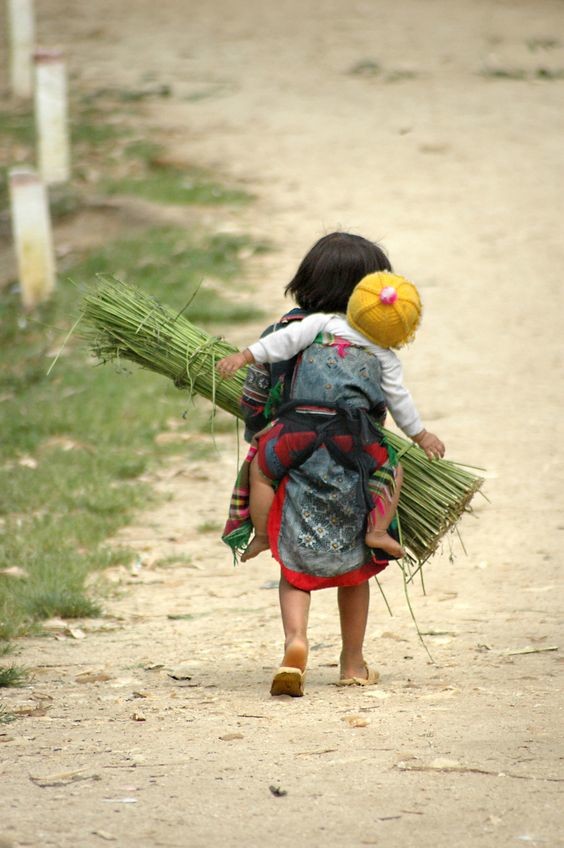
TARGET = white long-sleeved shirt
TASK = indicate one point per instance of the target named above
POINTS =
(286, 342)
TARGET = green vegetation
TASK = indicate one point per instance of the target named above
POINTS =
(5, 716)
(504, 73)
(539, 73)
(366, 68)
(174, 559)
(170, 265)
(17, 131)
(549, 73)
(546, 43)
(76, 441)
(170, 184)
(370, 68)
(17, 126)
(13, 675)
(129, 95)
(109, 152)
(210, 527)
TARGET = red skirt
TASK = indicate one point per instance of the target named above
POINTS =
(309, 582)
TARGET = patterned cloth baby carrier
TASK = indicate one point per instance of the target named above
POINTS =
(333, 391)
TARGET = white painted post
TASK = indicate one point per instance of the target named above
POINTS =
(22, 35)
(31, 226)
(51, 116)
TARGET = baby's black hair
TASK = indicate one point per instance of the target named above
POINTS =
(332, 268)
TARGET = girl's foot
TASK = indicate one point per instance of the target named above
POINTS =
(289, 679)
(353, 666)
(351, 670)
(366, 677)
(295, 653)
(382, 539)
(258, 544)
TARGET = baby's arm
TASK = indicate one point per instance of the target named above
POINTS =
(402, 407)
(278, 346)
(430, 443)
(286, 342)
(230, 364)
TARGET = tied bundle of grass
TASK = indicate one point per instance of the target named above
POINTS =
(434, 496)
(120, 322)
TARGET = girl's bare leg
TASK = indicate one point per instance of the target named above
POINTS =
(260, 500)
(354, 602)
(294, 607)
(377, 535)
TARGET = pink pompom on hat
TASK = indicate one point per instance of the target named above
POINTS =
(386, 308)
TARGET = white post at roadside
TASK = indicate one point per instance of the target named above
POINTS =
(22, 36)
(33, 241)
(51, 116)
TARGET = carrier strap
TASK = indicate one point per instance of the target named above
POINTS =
(345, 420)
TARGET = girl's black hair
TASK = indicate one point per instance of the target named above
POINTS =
(329, 272)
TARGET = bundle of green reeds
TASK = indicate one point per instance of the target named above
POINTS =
(120, 322)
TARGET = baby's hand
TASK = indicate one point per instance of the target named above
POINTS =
(430, 443)
(229, 365)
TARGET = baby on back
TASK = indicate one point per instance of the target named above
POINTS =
(383, 313)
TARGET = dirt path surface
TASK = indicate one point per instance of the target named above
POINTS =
(154, 726)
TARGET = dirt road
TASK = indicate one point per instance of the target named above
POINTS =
(437, 129)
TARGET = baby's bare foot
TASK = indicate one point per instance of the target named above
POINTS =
(381, 539)
(255, 547)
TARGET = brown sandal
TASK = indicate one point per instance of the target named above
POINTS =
(288, 681)
(372, 677)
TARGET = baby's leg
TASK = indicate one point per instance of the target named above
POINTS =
(379, 520)
(260, 500)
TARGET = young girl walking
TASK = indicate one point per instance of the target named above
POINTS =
(383, 312)
(323, 450)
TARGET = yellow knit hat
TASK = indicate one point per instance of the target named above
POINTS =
(386, 308)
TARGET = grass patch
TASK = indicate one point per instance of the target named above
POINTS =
(540, 73)
(371, 69)
(549, 73)
(109, 152)
(135, 166)
(214, 90)
(13, 675)
(18, 131)
(545, 43)
(144, 150)
(210, 527)
(88, 131)
(75, 442)
(18, 126)
(366, 68)
(217, 422)
(173, 560)
(400, 75)
(504, 73)
(201, 451)
(93, 126)
(5, 716)
(171, 184)
(129, 95)
(170, 265)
